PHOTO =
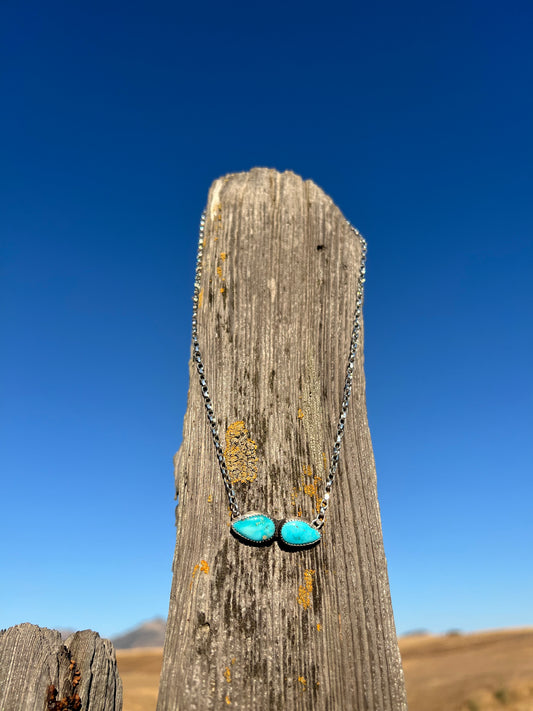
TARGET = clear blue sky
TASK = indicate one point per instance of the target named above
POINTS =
(417, 119)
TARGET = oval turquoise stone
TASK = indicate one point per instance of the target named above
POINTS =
(257, 528)
(299, 533)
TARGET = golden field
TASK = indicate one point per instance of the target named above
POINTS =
(484, 671)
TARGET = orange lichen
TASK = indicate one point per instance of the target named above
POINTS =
(77, 673)
(200, 298)
(318, 626)
(303, 681)
(70, 702)
(300, 413)
(203, 567)
(318, 501)
(303, 597)
(222, 288)
(227, 674)
(228, 700)
(310, 490)
(305, 590)
(223, 256)
(67, 703)
(294, 494)
(240, 454)
(210, 499)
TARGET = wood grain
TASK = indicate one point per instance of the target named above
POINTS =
(261, 628)
(36, 665)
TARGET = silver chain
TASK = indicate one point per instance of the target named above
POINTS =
(197, 356)
(318, 522)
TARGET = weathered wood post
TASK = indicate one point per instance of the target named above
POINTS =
(40, 672)
(259, 627)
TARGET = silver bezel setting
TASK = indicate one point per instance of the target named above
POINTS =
(298, 545)
(249, 514)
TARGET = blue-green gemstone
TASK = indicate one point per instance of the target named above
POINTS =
(257, 528)
(299, 533)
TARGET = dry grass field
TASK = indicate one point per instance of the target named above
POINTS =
(486, 671)
(139, 670)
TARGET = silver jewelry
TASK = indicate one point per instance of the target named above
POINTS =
(253, 526)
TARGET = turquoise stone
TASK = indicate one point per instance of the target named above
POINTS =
(256, 527)
(299, 533)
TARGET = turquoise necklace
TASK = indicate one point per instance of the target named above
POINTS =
(254, 527)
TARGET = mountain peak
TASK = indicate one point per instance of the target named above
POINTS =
(150, 633)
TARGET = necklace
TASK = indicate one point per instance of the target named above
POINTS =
(255, 527)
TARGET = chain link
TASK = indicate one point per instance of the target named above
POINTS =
(197, 357)
(318, 522)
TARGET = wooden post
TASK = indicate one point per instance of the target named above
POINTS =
(40, 672)
(258, 627)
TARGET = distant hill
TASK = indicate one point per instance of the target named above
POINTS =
(147, 634)
(65, 632)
